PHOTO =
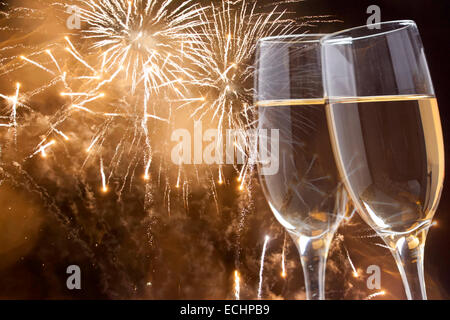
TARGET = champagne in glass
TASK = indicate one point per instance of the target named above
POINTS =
(387, 136)
(305, 194)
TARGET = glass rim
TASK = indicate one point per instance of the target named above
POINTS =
(402, 24)
(302, 38)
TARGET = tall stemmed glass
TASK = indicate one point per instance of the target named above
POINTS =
(304, 193)
(387, 136)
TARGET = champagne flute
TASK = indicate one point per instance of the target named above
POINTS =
(305, 193)
(387, 136)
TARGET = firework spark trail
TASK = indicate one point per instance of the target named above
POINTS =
(261, 269)
(355, 272)
(102, 172)
(179, 177)
(54, 60)
(14, 101)
(237, 285)
(14, 107)
(376, 294)
(43, 149)
(37, 64)
(147, 169)
(283, 258)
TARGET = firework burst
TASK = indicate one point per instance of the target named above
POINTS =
(197, 58)
(124, 47)
(223, 57)
(147, 38)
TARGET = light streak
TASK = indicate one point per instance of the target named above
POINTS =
(220, 180)
(179, 177)
(283, 258)
(376, 294)
(37, 64)
(74, 94)
(237, 285)
(75, 54)
(61, 134)
(14, 107)
(93, 143)
(147, 170)
(43, 148)
(54, 60)
(102, 172)
(355, 272)
(261, 269)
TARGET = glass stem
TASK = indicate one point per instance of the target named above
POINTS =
(408, 252)
(313, 256)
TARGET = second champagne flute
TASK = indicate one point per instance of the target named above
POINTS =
(387, 136)
(305, 193)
